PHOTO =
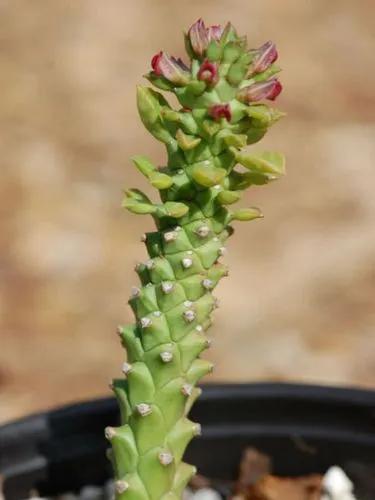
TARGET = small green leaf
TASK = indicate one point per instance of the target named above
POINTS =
(232, 52)
(195, 87)
(208, 176)
(255, 134)
(188, 47)
(185, 141)
(245, 58)
(138, 208)
(228, 197)
(137, 195)
(157, 179)
(267, 162)
(237, 73)
(266, 75)
(144, 165)
(245, 214)
(189, 123)
(210, 127)
(170, 115)
(229, 34)
(175, 209)
(148, 106)
(160, 181)
(214, 51)
(236, 140)
(242, 180)
(159, 82)
(263, 115)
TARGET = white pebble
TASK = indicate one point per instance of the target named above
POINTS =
(109, 490)
(206, 494)
(337, 485)
(33, 497)
(187, 494)
(91, 493)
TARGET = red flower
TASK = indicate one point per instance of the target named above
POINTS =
(171, 68)
(218, 111)
(208, 72)
(259, 91)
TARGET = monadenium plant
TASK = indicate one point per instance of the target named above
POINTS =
(221, 91)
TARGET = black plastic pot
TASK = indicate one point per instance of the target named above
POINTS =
(305, 429)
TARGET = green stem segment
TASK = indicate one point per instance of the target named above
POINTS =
(174, 303)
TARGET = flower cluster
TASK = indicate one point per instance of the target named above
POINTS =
(240, 66)
(263, 58)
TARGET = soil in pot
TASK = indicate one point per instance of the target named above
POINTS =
(255, 481)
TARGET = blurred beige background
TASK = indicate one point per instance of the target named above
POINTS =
(299, 304)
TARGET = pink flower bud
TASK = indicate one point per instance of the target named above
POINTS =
(200, 36)
(264, 57)
(259, 91)
(208, 72)
(214, 32)
(218, 111)
(170, 68)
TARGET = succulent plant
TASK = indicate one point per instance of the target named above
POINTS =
(221, 92)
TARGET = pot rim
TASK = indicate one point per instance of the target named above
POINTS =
(242, 390)
(36, 449)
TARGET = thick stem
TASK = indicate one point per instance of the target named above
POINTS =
(173, 310)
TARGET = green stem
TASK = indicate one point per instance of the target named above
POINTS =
(173, 310)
